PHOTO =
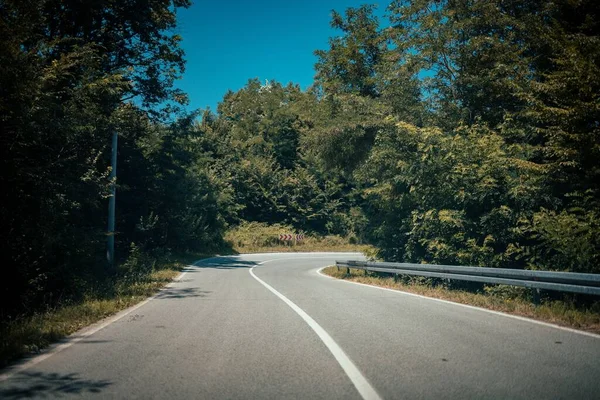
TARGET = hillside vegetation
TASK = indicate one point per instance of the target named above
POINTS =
(453, 132)
(259, 237)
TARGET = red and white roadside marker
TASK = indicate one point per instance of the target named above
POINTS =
(288, 237)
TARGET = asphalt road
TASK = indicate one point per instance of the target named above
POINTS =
(270, 327)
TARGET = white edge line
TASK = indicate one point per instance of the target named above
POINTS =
(358, 380)
(534, 321)
(80, 335)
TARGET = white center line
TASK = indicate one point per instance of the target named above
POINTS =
(360, 382)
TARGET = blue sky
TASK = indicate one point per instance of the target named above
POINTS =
(229, 42)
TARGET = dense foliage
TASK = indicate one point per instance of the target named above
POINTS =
(456, 132)
(71, 73)
(470, 128)
(461, 132)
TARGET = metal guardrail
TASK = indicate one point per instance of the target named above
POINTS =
(559, 281)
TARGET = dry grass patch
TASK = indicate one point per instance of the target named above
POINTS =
(256, 237)
(556, 312)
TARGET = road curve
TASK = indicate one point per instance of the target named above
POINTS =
(268, 326)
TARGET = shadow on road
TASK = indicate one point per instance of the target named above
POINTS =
(90, 341)
(39, 384)
(180, 293)
(223, 263)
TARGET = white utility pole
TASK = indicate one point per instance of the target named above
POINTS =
(110, 244)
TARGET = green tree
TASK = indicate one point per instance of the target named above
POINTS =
(67, 72)
(479, 133)
(350, 65)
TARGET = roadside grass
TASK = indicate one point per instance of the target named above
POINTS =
(586, 318)
(32, 333)
(255, 237)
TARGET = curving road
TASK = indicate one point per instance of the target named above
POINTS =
(268, 326)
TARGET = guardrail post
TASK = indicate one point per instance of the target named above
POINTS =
(536, 297)
(347, 270)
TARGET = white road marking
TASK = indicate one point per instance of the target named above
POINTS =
(360, 382)
(534, 321)
(80, 335)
